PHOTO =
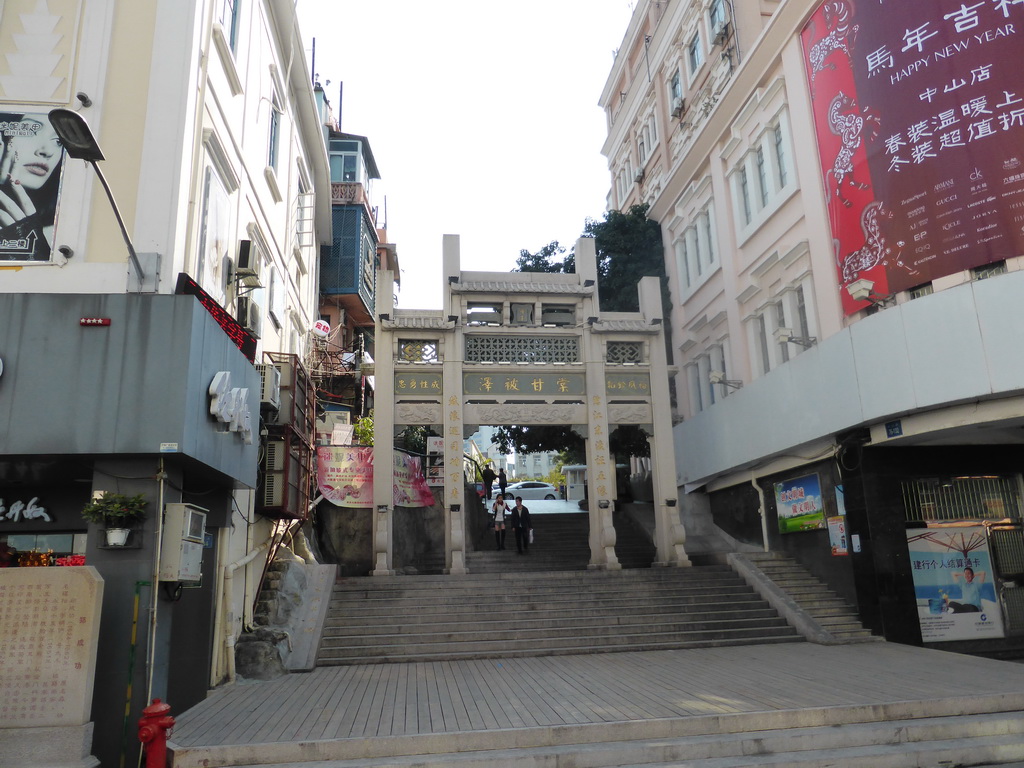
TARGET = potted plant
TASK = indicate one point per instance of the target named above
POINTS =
(116, 512)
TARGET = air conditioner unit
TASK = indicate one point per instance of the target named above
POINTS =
(639, 176)
(270, 385)
(247, 265)
(720, 33)
(678, 106)
(272, 494)
(250, 315)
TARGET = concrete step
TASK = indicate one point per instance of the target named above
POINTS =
(578, 647)
(995, 739)
(507, 633)
(824, 607)
(535, 619)
(487, 616)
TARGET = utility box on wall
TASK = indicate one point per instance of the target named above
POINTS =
(181, 553)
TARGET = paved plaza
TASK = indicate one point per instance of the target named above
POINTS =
(375, 710)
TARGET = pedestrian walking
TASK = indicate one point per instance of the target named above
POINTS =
(502, 481)
(498, 509)
(519, 519)
(488, 477)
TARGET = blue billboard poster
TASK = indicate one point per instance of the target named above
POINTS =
(952, 570)
(799, 504)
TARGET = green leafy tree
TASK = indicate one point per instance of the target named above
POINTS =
(629, 247)
(551, 258)
(363, 430)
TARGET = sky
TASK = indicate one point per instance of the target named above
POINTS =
(482, 118)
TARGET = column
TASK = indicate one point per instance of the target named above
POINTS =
(383, 431)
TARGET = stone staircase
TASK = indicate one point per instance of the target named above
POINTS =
(807, 603)
(561, 543)
(783, 740)
(521, 613)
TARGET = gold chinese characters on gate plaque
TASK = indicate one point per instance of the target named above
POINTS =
(524, 383)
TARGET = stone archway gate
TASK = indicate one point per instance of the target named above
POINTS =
(512, 348)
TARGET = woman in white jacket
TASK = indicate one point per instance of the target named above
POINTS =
(499, 510)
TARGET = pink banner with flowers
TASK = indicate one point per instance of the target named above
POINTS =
(345, 478)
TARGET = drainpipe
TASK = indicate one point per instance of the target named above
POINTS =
(155, 589)
(761, 510)
(229, 573)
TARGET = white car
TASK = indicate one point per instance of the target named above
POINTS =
(532, 489)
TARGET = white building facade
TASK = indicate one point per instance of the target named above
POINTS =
(215, 154)
(845, 266)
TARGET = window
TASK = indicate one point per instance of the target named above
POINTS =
(346, 161)
(761, 338)
(675, 87)
(803, 327)
(705, 237)
(693, 384)
(988, 270)
(762, 176)
(683, 268)
(227, 15)
(919, 291)
(695, 249)
(277, 298)
(744, 186)
(275, 130)
(716, 14)
(765, 167)
(780, 322)
(695, 54)
(780, 155)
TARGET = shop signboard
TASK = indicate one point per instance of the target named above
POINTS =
(798, 502)
(952, 570)
(919, 117)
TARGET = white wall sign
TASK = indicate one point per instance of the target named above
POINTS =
(230, 405)
(19, 511)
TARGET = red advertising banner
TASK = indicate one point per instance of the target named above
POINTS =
(919, 115)
(344, 475)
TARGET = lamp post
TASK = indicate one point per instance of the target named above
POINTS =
(79, 143)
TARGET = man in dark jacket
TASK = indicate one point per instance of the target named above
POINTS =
(519, 517)
(488, 477)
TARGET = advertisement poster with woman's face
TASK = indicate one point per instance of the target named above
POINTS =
(30, 174)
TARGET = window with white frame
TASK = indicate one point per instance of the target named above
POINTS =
(743, 186)
(717, 356)
(766, 167)
(716, 14)
(695, 249)
(779, 145)
(694, 388)
(646, 137)
(763, 188)
(675, 87)
(695, 54)
(780, 322)
(792, 310)
(227, 15)
(274, 139)
(764, 359)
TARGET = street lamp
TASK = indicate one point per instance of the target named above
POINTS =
(79, 143)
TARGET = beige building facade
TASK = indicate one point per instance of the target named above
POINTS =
(765, 137)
